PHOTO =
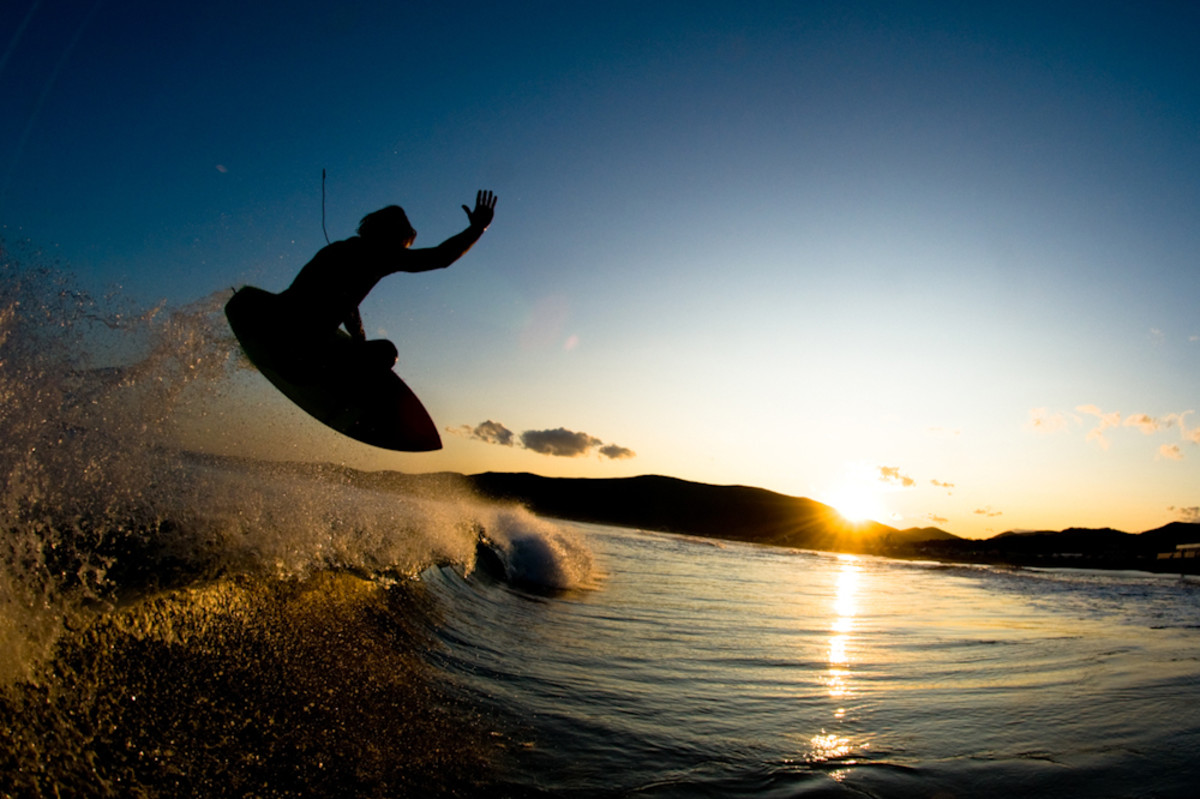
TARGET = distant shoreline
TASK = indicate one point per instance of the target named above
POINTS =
(760, 516)
(756, 515)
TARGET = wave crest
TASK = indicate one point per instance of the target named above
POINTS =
(535, 553)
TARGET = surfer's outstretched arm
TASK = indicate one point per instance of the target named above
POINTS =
(455, 247)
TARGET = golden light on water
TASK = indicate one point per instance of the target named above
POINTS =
(838, 675)
(845, 606)
(829, 747)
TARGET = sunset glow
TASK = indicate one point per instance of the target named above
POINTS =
(735, 244)
(858, 503)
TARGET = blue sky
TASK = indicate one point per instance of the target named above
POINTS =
(907, 257)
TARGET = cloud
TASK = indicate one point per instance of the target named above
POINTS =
(941, 484)
(891, 474)
(936, 519)
(1105, 421)
(1170, 452)
(560, 441)
(489, 432)
(1042, 421)
(1148, 424)
(988, 512)
(1189, 514)
(1179, 419)
(1192, 435)
(613, 452)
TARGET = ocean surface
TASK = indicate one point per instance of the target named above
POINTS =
(175, 624)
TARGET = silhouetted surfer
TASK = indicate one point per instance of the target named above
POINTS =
(327, 292)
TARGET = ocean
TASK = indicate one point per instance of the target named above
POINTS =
(179, 624)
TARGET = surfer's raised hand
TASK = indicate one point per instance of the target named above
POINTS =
(485, 209)
(453, 248)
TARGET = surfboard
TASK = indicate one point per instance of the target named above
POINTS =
(369, 405)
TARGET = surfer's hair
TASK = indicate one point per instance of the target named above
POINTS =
(386, 222)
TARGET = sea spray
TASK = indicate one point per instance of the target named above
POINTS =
(86, 385)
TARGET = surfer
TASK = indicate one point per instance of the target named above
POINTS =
(325, 295)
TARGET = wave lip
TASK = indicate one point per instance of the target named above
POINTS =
(532, 553)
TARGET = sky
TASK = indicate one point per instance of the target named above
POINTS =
(932, 263)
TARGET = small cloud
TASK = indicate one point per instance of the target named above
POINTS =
(891, 474)
(1189, 514)
(613, 452)
(489, 432)
(936, 519)
(1156, 335)
(562, 442)
(1170, 452)
(1193, 338)
(1147, 424)
(1105, 421)
(988, 512)
(222, 168)
(1042, 421)
(1192, 435)
(941, 484)
(571, 343)
(943, 432)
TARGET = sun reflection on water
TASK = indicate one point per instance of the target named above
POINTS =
(845, 606)
(828, 746)
(837, 678)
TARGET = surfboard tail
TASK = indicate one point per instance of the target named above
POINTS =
(375, 407)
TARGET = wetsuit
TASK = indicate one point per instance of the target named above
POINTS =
(327, 292)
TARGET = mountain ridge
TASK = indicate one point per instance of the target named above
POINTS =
(758, 515)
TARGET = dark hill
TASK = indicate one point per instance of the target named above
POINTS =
(1102, 548)
(917, 534)
(671, 505)
(1169, 536)
(754, 514)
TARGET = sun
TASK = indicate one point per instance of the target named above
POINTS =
(857, 502)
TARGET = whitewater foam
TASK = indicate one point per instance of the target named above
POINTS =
(535, 552)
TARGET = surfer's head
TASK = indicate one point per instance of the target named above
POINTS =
(387, 225)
